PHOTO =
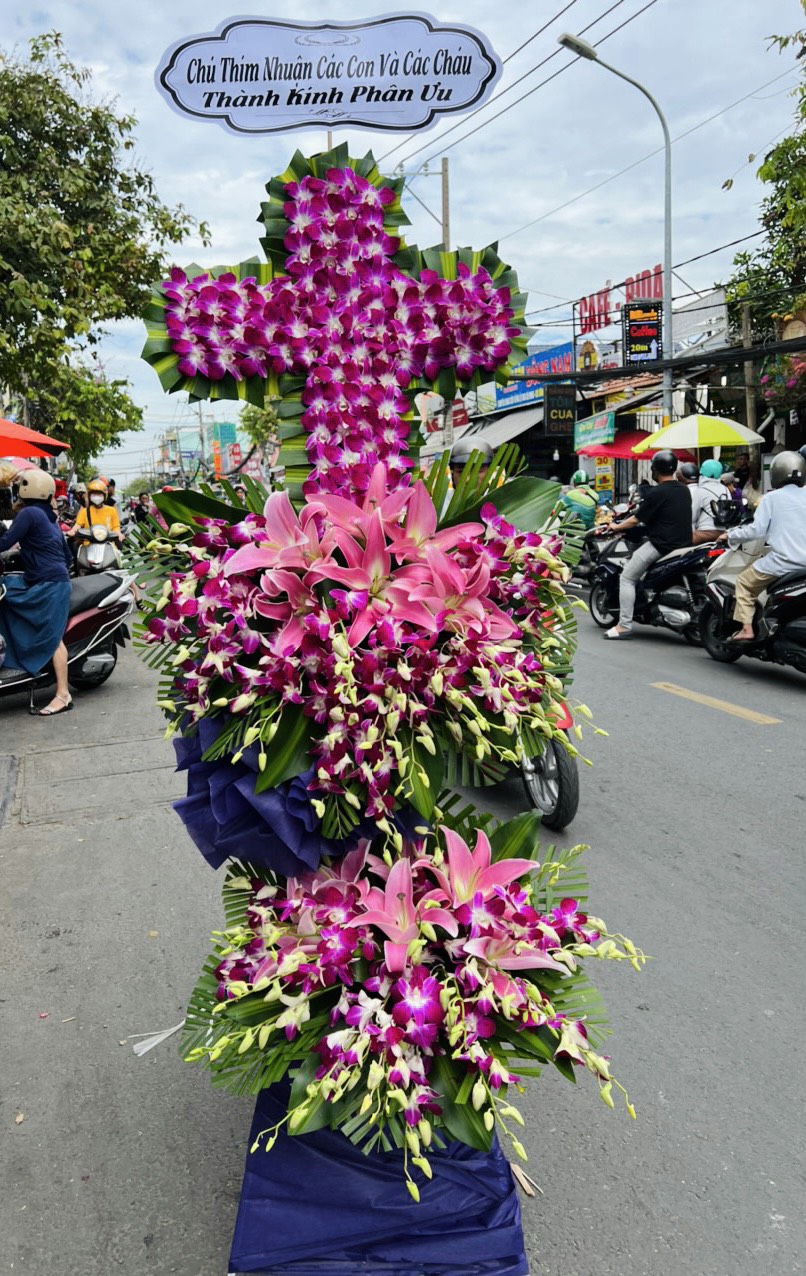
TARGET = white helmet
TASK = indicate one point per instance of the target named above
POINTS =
(36, 485)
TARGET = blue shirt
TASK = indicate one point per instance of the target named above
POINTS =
(44, 551)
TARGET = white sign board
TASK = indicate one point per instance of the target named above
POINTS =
(401, 71)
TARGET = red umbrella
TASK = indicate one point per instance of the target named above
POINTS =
(18, 440)
(621, 449)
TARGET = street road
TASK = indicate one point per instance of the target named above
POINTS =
(695, 818)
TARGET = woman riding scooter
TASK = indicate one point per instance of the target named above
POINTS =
(33, 614)
(97, 513)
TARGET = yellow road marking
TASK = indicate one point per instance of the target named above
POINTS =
(725, 706)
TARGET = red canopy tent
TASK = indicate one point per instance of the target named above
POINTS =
(18, 440)
(621, 449)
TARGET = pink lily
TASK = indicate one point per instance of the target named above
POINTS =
(288, 542)
(420, 528)
(471, 872)
(461, 597)
(393, 911)
(506, 954)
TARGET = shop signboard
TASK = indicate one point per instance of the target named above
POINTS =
(642, 331)
(396, 72)
(559, 408)
(595, 429)
(552, 362)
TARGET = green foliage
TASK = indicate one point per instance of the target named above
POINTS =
(79, 405)
(83, 234)
(772, 278)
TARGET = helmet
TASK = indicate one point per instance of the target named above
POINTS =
(79, 488)
(787, 467)
(97, 485)
(711, 469)
(36, 485)
(463, 450)
(579, 477)
(688, 471)
(664, 462)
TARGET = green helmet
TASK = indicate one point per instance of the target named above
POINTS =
(711, 469)
(579, 477)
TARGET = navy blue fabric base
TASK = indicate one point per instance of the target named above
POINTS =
(316, 1206)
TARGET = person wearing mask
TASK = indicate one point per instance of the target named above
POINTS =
(580, 500)
(97, 513)
(780, 520)
(142, 509)
(33, 614)
(111, 492)
(79, 496)
(665, 512)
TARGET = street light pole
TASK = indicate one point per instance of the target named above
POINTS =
(585, 50)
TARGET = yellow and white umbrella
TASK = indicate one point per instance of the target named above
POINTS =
(700, 431)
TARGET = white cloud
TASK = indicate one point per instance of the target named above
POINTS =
(696, 56)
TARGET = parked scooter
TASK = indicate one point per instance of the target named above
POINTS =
(670, 596)
(100, 606)
(780, 619)
(552, 780)
(97, 550)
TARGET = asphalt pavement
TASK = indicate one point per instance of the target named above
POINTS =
(694, 816)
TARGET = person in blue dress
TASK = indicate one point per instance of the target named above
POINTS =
(34, 611)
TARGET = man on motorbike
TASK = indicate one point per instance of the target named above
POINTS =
(665, 512)
(33, 614)
(780, 520)
(580, 500)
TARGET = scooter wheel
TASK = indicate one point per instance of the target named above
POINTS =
(724, 652)
(552, 785)
(601, 614)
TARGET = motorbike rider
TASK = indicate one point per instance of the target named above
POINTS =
(780, 520)
(704, 488)
(97, 513)
(33, 614)
(580, 500)
(665, 512)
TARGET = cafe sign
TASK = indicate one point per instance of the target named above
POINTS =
(594, 430)
(399, 72)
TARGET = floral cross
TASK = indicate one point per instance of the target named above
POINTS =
(344, 325)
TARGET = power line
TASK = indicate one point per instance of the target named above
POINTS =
(569, 301)
(441, 149)
(509, 87)
(591, 189)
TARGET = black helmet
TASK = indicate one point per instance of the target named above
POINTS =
(664, 462)
(463, 450)
(787, 467)
(688, 471)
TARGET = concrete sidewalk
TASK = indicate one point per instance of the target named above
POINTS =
(119, 1163)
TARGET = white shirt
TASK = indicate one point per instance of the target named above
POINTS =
(780, 520)
(702, 495)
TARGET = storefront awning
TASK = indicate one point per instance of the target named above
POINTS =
(621, 449)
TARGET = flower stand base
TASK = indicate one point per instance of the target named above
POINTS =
(316, 1206)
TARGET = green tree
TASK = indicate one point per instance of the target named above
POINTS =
(260, 424)
(83, 407)
(772, 278)
(83, 235)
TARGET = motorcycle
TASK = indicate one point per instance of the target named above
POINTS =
(100, 606)
(670, 595)
(551, 781)
(97, 550)
(780, 619)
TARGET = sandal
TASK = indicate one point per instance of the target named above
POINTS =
(51, 713)
(618, 635)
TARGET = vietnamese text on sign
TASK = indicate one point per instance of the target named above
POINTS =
(264, 76)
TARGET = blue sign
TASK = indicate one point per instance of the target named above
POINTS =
(554, 361)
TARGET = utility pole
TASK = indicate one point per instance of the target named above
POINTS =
(446, 207)
(749, 370)
(201, 436)
(330, 139)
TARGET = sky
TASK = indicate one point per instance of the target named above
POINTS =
(698, 57)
